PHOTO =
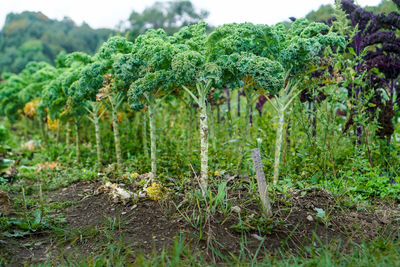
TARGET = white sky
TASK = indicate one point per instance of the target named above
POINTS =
(109, 13)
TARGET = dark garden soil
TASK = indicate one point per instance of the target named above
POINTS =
(148, 226)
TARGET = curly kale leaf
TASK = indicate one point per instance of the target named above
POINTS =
(145, 86)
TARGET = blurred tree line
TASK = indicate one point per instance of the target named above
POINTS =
(170, 16)
(32, 36)
(324, 12)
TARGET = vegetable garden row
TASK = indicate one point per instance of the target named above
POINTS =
(349, 66)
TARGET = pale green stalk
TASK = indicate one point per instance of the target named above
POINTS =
(202, 90)
(153, 140)
(58, 135)
(68, 134)
(278, 144)
(116, 100)
(96, 121)
(44, 133)
(77, 142)
(144, 136)
(153, 104)
(283, 101)
(203, 144)
(245, 132)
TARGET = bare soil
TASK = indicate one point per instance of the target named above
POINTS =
(151, 226)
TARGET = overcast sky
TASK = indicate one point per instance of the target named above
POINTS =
(109, 13)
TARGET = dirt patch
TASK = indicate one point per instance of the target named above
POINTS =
(145, 225)
(307, 218)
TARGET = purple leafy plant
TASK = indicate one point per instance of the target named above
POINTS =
(377, 37)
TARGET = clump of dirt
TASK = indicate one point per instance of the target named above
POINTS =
(148, 225)
(313, 198)
(315, 210)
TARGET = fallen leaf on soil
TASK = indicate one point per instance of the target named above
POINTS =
(156, 192)
(30, 145)
(5, 203)
(116, 192)
(48, 165)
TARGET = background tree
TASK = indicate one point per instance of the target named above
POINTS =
(169, 16)
(324, 12)
(31, 36)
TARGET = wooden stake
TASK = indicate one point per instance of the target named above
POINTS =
(262, 185)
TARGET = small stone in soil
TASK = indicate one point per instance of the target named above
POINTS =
(236, 209)
(259, 238)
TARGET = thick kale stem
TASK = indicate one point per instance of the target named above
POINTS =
(203, 144)
(116, 137)
(68, 134)
(153, 140)
(202, 89)
(238, 103)
(228, 105)
(116, 100)
(98, 144)
(96, 122)
(278, 144)
(44, 134)
(144, 136)
(58, 135)
(77, 141)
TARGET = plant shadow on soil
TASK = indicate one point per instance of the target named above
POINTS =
(94, 221)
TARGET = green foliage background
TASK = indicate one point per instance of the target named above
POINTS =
(32, 36)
